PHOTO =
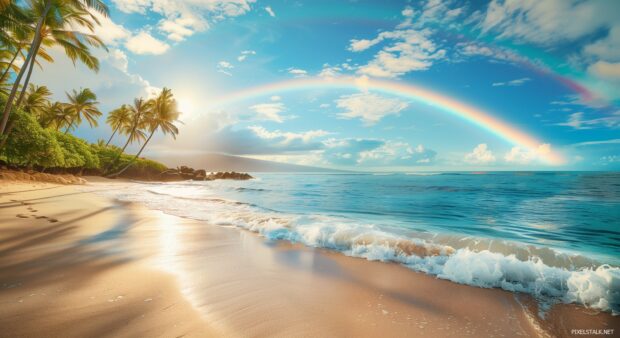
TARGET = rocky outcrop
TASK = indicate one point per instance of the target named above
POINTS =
(228, 176)
(186, 173)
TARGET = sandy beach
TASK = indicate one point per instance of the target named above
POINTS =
(75, 264)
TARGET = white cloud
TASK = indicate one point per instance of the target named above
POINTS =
(577, 121)
(183, 18)
(285, 138)
(177, 29)
(375, 152)
(480, 155)
(607, 48)
(145, 43)
(513, 83)
(269, 111)
(224, 67)
(297, 72)
(396, 153)
(132, 6)
(595, 143)
(275, 98)
(410, 50)
(610, 159)
(368, 107)
(108, 31)
(330, 71)
(524, 156)
(605, 70)
(270, 12)
(408, 12)
(244, 55)
(548, 21)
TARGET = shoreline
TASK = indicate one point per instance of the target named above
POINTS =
(225, 280)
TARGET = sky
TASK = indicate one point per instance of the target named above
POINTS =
(368, 85)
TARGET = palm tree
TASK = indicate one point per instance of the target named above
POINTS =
(37, 100)
(118, 118)
(134, 132)
(161, 117)
(36, 103)
(13, 28)
(83, 105)
(53, 17)
(55, 115)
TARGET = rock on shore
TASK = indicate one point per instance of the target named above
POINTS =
(186, 173)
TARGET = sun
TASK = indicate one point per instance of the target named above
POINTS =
(186, 106)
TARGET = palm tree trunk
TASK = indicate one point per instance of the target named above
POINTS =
(8, 68)
(133, 130)
(121, 152)
(111, 136)
(33, 46)
(9, 125)
(68, 127)
(135, 157)
(30, 68)
(9, 128)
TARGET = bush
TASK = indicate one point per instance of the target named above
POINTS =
(30, 145)
(77, 153)
(140, 169)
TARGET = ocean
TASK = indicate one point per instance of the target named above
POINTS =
(554, 235)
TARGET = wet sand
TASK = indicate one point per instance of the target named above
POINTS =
(105, 268)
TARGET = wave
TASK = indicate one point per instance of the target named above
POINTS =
(595, 287)
(422, 174)
(243, 189)
(548, 275)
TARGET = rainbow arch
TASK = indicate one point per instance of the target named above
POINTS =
(478, 117)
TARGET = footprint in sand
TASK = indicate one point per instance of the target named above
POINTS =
(39, 217)
(52, 220)
(21, 216)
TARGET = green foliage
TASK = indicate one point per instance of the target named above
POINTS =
(141, 168)
(78, 153)
(30, 145)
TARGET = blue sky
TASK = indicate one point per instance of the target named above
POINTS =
(549, 68)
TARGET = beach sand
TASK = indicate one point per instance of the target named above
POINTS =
(75, 264)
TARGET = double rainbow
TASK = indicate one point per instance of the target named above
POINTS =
(462, 110)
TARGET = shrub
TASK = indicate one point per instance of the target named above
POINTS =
(30, 145)
(77, 153)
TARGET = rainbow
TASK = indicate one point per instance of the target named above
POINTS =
(462, 110)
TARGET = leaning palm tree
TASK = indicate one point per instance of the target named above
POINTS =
(117, 119)
(162, 117)
(16, 47)
(83, 105)
(138, 112)
(56, 18)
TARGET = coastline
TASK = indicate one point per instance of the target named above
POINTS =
(72, 274)
(178, 276)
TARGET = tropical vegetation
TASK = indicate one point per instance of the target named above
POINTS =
(36, 130)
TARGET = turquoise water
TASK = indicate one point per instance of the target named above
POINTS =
(555, 235)
(572, 211)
